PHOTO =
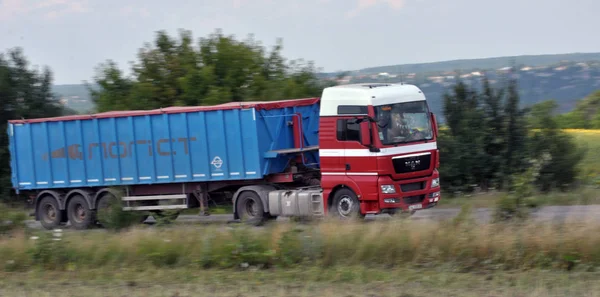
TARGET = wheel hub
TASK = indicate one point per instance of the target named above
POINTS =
(251, 208)
(80, 211)
(345, 206)
(50, 212)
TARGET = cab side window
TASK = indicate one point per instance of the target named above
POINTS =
(348, 131)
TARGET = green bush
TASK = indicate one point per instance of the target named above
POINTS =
(11, 219)
(517, 204)
(115, 218)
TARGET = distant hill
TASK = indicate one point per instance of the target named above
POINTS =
(565, 78)
(74, 96)
(476, 64)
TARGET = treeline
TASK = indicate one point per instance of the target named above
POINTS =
(219, 69)
(24, 93)
(490, 141)
(585, 115)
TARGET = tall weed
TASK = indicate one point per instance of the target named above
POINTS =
(461, 244)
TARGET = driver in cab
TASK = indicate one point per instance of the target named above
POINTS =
(399, 127)
(399, 131)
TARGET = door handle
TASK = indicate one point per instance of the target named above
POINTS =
(347, 166)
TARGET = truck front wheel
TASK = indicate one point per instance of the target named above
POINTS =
(250, 208)
(345, 205)
(49, 213)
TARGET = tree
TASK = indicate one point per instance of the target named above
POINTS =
(515, 134)
(172, 72)
(488, 141)
(549, 140)
(585, 115)
(494, 142)
(24, 93)
(462, 146)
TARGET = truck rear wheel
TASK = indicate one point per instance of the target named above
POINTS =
(49, 213)
(80, 215)
(345, 205)
(250, 208)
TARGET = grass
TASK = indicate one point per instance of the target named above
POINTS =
(11, 218)
(355, 281)
(221, 209)
(460, 244)
(590, 166)
(586, 195)
(457, 257)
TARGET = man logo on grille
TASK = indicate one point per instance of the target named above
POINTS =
(412, 164)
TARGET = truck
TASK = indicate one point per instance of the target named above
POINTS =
(357, 150)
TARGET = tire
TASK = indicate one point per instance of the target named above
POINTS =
(345, 205)
(250, 209)
(79, 213)
(49, 213)
(103, 207)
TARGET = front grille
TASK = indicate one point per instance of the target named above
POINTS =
(413, 199)
(412, 187)
(412, 164)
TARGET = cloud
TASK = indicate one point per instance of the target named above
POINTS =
(10, 9)
(365, 4)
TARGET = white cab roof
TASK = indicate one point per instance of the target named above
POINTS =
(367, 94)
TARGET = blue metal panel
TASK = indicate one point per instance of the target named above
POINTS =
(276, 134)
(223, 145)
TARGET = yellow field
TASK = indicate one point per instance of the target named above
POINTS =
(589, 139)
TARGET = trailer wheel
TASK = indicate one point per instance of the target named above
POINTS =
(250, 208)
(49, 213)
(80, 215)
(346, 205)
(103, 208)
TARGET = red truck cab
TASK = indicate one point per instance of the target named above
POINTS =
(378, 150)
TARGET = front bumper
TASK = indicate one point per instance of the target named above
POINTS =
(410, 194)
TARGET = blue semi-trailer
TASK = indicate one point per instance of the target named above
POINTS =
(261, 156)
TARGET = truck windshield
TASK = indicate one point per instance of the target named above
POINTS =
(403, 122)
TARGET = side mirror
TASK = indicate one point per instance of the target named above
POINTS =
(365, 133)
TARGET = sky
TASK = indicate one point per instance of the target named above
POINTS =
(73, 37)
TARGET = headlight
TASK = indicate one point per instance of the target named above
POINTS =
(388, 189)
(435, 183)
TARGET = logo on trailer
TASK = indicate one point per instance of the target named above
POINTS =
(217, 162)
(122, 149)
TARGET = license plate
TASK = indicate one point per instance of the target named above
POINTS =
(415, 206)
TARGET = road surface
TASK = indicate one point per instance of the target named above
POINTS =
(555, 214)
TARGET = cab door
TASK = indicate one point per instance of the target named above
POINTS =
(360, 165)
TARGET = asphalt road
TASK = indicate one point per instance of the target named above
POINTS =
(555, 214)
